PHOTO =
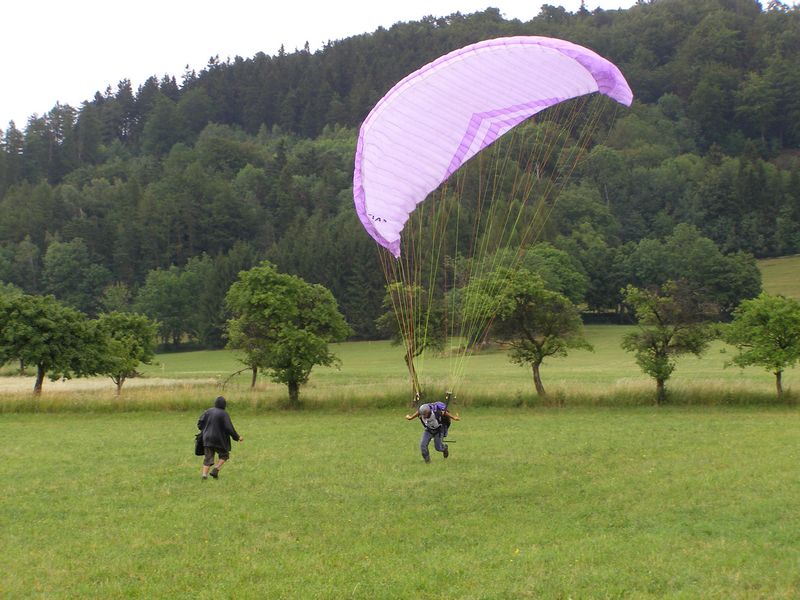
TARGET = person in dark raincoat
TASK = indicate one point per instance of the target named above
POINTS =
(217, 429)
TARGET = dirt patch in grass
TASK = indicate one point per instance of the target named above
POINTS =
(16, 385)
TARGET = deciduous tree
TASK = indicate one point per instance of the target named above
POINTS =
(74, 276)
(673, 321)
(57, 339)
(283, 325)
(766, 331)
(536, 323)
(165, 298)
(414, 318)
(131, 340)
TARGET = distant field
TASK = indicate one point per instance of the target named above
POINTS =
(373, 373)
(781, 275)
(378, 366)
(642, 502)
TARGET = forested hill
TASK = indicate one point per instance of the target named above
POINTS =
(183, 183)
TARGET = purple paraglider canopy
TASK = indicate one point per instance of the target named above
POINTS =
(441, 115)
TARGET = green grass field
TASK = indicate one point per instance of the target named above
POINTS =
(375, 368)
(373, 374)
(781, 275)
(546, 503)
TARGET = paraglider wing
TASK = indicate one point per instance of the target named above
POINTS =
(438, 117)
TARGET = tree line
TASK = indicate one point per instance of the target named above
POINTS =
(138, 192)
(730, 62)
(283, 325)
(122, 243)
(278, 322)
(61, 342)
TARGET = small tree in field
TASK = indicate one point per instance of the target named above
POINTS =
(535, 322)
(283, 324)
(672, 321)
(131, 340)
(414, 319)
(58, 340)
(766, 331)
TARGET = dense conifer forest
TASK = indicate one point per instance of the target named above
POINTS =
(156, 197)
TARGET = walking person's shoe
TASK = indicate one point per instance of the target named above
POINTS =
(204, 477)
(446, 451)
(214, 473)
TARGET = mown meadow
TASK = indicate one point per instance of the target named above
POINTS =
(608, 497)
(546, 503)
(781, 275)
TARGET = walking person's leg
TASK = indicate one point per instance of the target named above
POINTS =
(208, 460)
(223, 456)
(217, 467)
(440, 445)
(423, 445)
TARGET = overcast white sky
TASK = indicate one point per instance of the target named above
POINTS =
(54, 50)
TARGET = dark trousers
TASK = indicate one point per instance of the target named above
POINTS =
(427, 436)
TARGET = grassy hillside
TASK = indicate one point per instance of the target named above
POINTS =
(645, 503)
(781, 275)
